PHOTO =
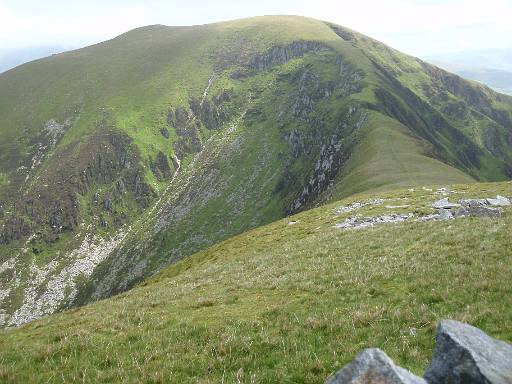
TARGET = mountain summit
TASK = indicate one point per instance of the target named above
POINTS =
(124, 157)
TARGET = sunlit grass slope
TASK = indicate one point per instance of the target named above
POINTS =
(389, 158)
(290, 302)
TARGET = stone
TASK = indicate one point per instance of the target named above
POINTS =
(483, 211)
(473, 202)
(160, 167)
(445, 214)
(499, 201)
(373, 366)
(466, 355)
(165, 132)
(444, 204)
(358, 222)
(107, 204)
(444, 191)
(462, 212)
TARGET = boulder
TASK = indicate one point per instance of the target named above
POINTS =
(499, 201)
(165, 132)
(444, 204)
(466, 203)
(445, 214)
(466, 355)
(484, 211)
(462, 212)
(373, 366)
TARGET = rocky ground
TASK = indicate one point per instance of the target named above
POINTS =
(445, 210)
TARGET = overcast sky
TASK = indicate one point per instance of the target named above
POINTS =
(418, 27)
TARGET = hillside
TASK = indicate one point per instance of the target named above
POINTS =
(122, 158)
(492, 67)
(10, 57)
(289, 302)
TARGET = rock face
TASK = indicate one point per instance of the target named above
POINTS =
(281, 54)
(373, 366)
(465, 354)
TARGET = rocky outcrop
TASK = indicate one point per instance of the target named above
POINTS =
(281, 54)
(160, 167)
(446, 210)
(332, 156)
(373, 366)
(344, 33)
(463, 355)
(165, 132)
(52, 206)
(187, 128)
(477, 98)
(471, 207)
(188, 121)
(466, 355)
(366, 222)
(210, 113)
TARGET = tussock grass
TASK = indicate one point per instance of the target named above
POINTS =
(286, 303)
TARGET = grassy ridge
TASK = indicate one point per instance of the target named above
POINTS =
(286, 303)
(391, 158)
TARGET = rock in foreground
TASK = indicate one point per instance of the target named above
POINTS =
(373, 366)
(466, 355)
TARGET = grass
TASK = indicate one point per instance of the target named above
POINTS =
(391, 158)
(286, 303)
(4, 180)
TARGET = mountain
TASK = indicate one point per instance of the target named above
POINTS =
(492, 67)
(119, 159)
(497, 58)
(10, 58)
(497, 79)
(290, 302)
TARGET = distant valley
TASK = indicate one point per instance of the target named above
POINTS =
(492, 67)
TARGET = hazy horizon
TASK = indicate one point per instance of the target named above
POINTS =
(417, 27)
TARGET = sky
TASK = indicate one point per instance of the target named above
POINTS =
(417, 27)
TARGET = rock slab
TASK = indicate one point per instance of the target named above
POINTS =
(466, 355)
(373, 366)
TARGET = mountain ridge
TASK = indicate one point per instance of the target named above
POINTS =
(206, 132)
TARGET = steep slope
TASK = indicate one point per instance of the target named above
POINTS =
(289, 302)
(492, 66)
(121, 158)
(499, 80)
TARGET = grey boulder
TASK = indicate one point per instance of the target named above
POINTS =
(484, 212)
(480, 208)
(467, 203)
(499, 201)
(373, 366)
(466, 355)
(444, 204)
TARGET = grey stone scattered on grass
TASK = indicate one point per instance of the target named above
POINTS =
(358, 222)
(358, 205)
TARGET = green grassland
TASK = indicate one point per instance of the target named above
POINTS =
(279, 303)
(286, 303)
